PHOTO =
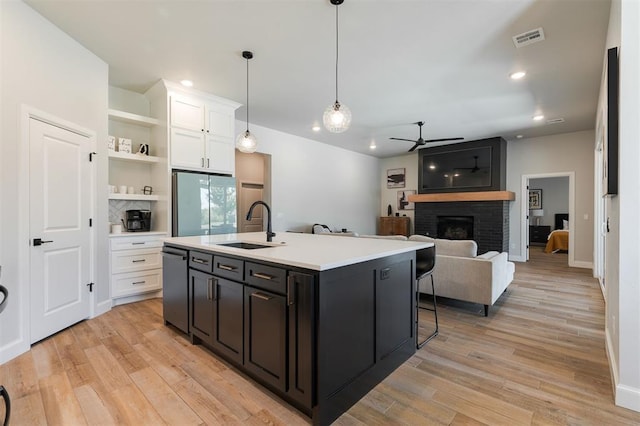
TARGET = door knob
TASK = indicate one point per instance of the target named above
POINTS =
(39, 242)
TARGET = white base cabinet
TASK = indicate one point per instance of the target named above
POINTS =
(136, 266)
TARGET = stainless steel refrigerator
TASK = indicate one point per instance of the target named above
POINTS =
(203, 204)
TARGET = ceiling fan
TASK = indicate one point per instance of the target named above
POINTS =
(421, 141)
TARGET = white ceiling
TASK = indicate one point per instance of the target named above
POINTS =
(446, 62)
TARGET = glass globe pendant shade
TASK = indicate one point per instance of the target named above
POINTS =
(246, 142)
(337, 118)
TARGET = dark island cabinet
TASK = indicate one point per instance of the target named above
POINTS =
(216, 313)
(301, 316)
(201, 306)
(265, 319)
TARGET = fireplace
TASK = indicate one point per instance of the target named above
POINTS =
(489, 226)
(455, 227)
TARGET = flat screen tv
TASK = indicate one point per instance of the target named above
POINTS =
(463, 167)
(469, 168)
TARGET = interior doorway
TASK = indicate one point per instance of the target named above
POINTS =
(253, 181)
(554, 193)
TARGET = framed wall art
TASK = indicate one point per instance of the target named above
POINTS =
(395, 178)
(610, 145)
(403, 199)
(535, 199)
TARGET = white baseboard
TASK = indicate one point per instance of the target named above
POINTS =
(628, 397)
(136, 298)
(518, 258)
(581, 264)
(625, 396)
(102, 308)
(13, 349)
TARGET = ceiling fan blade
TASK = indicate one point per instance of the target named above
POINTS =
(445, 139)
(400, 139)
(414, 147)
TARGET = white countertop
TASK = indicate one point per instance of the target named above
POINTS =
(311, 251)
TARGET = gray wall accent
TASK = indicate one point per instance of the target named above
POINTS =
(568, 152)
(555, 198)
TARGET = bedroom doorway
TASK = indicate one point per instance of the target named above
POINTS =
(552, 196)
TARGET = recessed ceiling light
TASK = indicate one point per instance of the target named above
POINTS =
(517, 75)
(519, 136)
(187, 83)
(432, 166)
(538, 117)
(372, 145)
(316, 128)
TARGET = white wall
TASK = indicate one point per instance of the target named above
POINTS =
(622, 269)
(409, 162)
(43, 68)
(555, 198)
(569, 152)
(318, 183)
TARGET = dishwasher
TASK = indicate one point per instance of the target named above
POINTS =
(175, 287)
(4, 293)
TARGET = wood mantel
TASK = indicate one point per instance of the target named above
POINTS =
(463, 196)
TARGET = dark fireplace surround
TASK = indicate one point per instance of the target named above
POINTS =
(486, 222)
(490, 225)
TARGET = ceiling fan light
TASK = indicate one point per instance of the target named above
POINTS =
(246, 142)
(337, 118)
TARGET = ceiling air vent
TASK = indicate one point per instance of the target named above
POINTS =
(555, 120)
(528, 37)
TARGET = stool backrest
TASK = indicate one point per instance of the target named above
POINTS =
(425, 261)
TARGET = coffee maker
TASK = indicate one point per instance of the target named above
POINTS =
(138, 221)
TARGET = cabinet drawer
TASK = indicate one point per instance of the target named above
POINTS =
(129, 243)
(228, 267)
(200, 260)
(135, 260)
(266, 277)
(136, 282)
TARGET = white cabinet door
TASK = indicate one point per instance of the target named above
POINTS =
(220, 121)
(221, 155)
(187, 113)
(187, 149)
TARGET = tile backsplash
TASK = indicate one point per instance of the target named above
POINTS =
(117, 208)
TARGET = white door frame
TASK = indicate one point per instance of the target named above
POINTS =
(599, 220)
(27, 113)
(524, 213)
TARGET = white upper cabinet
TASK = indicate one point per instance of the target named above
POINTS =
(201, 134)
(187, 113)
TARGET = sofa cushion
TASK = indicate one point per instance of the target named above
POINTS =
(459, 248)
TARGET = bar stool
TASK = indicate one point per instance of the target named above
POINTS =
(425, 263)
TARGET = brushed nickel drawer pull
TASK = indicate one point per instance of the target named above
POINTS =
(198, 260)
(209, 288)
(263, 276)
(139, 260)
(138, 282)
(138, 244)
(261, 296)
(227, 267)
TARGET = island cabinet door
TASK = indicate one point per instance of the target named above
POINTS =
(265, 336)
(395, 304)
(301, 312)
(228, 319)
(201, 306)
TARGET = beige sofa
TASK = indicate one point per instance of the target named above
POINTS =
(461, 274)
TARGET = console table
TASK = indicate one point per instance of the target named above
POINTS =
(394, 225)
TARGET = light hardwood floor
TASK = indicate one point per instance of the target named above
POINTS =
(539, 358)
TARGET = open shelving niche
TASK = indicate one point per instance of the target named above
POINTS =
(138, 170)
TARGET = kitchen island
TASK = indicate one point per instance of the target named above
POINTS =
(318, 319)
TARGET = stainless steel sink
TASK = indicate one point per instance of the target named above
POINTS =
(245, 245)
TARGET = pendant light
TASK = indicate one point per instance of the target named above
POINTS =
(246, 142)
(337, 117)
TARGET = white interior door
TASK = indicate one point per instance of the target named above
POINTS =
(59, 212)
